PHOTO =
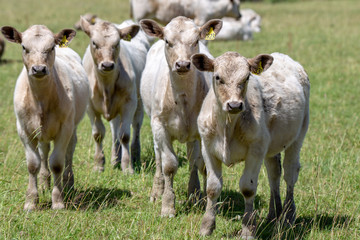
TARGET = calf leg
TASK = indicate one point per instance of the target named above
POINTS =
(193, 153)
(33, 163)
(291, 172)
(248, 187)
(273, 167)
(116, 147)
(45, 174)
(169, 166)
(68, 175)
(158, 182)
(213, 190)
(98, 132)
(57, 162)
(136, 126)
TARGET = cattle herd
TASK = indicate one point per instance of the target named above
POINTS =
(226, 109)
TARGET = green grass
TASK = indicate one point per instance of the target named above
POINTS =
(322, 35)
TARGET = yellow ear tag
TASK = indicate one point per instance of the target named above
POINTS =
(259, 70)
(210, 35)
(92, 20)
(64, 42)
(128, 37)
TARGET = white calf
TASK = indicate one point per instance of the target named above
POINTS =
(114, 67)
(50, 99)
(172, 91)
(249, 118)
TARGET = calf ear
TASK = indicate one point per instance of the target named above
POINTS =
(209, 28)
(11, 34)
(152, 28)
(202, 62)
(260, 63)
(128, 33)
(85, 25)
(64, 37)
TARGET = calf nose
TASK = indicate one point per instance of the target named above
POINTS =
(182, 66)
(107, 66)
(235, 107)
(39, 70)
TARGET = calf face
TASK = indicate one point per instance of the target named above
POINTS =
(38, 44)
(231, 76)
(105, 42)
(181, 38)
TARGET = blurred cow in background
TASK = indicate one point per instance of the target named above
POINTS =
(200, 10)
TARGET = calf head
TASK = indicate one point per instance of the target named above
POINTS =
(38, 44)
(105, 42)
(232, 73)
(181, 38)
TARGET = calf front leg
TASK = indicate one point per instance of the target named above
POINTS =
(116, 147)
(158, 182)
(248, 187)
(33, 164)
(45, 174)
(213, 191)
(169, 166)
(57, 162)
(98, 133)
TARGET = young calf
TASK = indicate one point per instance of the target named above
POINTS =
(114, 69)
(172, 91)
(249, 118)
(50, 99)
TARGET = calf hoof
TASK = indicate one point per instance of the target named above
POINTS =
(29, 206)
(168, 212)
(247, 232)
(207, 225)
(98, 168)
(58, 206)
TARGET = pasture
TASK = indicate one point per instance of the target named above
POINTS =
(322, 35)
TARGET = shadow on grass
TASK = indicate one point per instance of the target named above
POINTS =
(302, 226)
(94, 198)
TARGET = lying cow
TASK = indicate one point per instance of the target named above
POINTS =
(172, 91)
(249, 118)
(235, 30)
(201, 10)
(50, 99)
(114, 67)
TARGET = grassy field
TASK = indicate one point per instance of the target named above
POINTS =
(322, 35)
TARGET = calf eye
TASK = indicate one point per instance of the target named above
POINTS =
(219, 80)
(24, 49)
(94, 45)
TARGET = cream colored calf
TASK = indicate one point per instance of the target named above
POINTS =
(114, 67)
(50, 99)
(249, 118)
(172, 91)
